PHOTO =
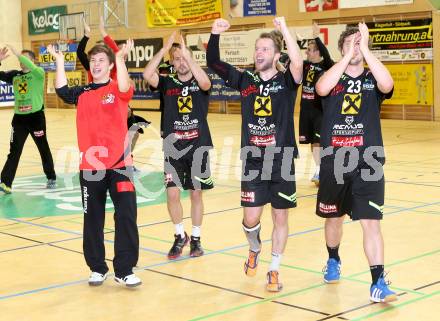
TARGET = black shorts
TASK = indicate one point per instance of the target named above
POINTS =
(309, 125)
(358, 197)
(188, 172)
(273, 184)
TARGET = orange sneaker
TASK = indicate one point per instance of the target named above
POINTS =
(251, 264)
(273, 283)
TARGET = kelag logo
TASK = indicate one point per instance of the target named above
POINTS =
(45, 20)
(31, 198)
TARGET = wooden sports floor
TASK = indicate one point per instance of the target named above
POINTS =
(44, 276)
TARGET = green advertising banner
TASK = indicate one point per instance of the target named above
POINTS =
(436, 3)
(45, 20)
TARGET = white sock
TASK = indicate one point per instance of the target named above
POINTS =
(179, 229)
(196, 231)
(317, 170)
(276, 261)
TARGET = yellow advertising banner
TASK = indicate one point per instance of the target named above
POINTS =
(412, 84)
(73, 79)
(174, 13)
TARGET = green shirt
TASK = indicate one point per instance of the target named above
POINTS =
(28, 87)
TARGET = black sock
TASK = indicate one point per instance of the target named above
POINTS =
(376, 272)
(333, 252)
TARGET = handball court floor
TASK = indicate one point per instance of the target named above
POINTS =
(44, 275)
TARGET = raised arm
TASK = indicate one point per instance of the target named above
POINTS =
(29, 64)
(327, 60)
(107, 39)
(81, 49)
(199, 74)
(6, 76)
(3, 54)
(150, 72)
(383, 77)
(296, 60)
(226, 71)
(123, 78)
(331, 77)
(67, 94)
(60, 79)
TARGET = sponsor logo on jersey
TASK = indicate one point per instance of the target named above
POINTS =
(25, 108)
(252, 89)
(351, 104)
(310, 75)
(347, 141)
(308, 96)
(337, 90)
(187, 135)
(349, 128)
(22, 87)
(263, 106)
(368, 85)
(186, 124)
(263, 141)
(184, 104)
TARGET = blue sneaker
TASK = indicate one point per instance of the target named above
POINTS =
(380, 292)
(332, 271)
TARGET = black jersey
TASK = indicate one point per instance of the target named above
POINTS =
(311, 72)
(164, 69)
(185, 112)
(351, 114)
(266, 106)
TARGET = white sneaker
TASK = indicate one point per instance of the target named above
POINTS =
(96, 278)
(129, 281)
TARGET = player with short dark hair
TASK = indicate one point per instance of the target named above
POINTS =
(310, 116)
(187, 139)
(351, 176)
(135, 123)
(29, 118)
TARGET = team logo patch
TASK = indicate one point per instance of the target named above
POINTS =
(263, 106)
(108, 99)
(185, 104)
(22, 88)
(351, 104)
